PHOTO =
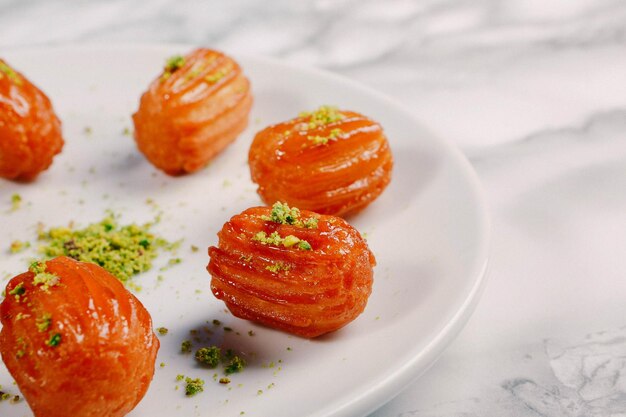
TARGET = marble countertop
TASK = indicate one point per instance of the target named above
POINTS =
(533, 92)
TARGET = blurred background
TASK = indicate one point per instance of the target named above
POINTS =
(480, 72)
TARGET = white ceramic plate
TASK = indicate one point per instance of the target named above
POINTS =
(428, 230)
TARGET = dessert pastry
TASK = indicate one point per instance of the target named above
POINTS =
(329, 161)
(297, 271)
(76, 341)
(30, 131)
(192, 111)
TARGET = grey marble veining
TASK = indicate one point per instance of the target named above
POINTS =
(533, 91)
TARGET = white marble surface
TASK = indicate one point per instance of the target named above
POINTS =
(534, 92)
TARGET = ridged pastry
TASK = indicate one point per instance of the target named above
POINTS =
(329, 161)
(30, 131)
(192, 111)
(296, 271)
(76, 341)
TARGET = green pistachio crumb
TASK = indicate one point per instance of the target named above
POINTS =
(304, 245)
(245, 258)
(215, 77)
(185, 346)
(194, 248)
(16, 201)
(275, 239)
(172, 64)
(283, 214)
(162, 330)
(216, 322)
(171, 262)
(42, 278)
(43, 323)
(236, 364)
(209, 356)
(323, 140)
(290, 240)
(54, 341)
(278, 267)
(10, 73)
(193, 386)
(18, 246)
(18, 291)
(124, 251)
(311, 223)
(22, 348)
(180, 377)
(324, 115)
(224, 380)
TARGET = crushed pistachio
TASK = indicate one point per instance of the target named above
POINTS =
(16, 201)
(236, 364)
(194, 248)
(324, 115)
(54, 341)
(124, 251)
(10, 73)
(251, 333)
(209, 356)
(323, 140)
(193, 386)
(224, 381)
(245, 258)
(43, 323)
(274, 239)
(304, 245)
(216, 76)
(18, 246)
(277, 267)
(43, 278)
(162, 364)
(180, 377)
(216, 322)
(185, 346)
(172, 64)
(170, 263)
(283, 214)
(22, 347)
(18, 291)
(163, 330)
